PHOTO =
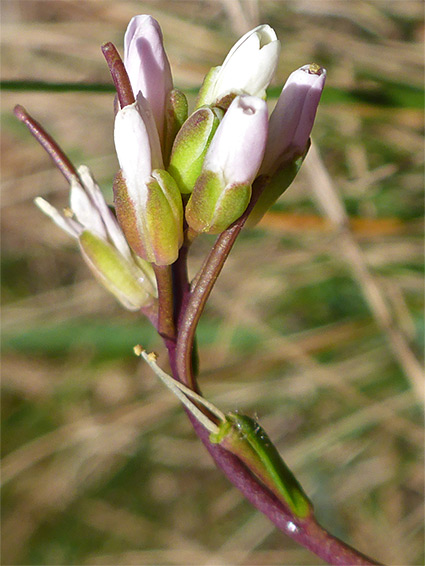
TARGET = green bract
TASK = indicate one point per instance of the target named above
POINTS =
(154, 229)
(245, 438)
(278, 184)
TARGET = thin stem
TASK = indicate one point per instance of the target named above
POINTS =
(181, 281)
(47, 142)
(166, 326)
(119, 74)
(305, 531)
(204, 284)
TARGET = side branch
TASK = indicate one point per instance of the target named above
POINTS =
(47, 142)
(202, 288)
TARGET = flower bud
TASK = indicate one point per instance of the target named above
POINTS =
(292, 119)
(190, 146)
(288, 141)
(102, 243)
(147, 200)
(247, 69)
(147, 64)
(223, 190)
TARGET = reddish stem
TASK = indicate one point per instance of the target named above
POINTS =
(47, 142)
(305, 531)
(119, 74)
(202, 287)
(166, 326)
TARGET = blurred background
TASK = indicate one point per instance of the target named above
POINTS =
(315, 325)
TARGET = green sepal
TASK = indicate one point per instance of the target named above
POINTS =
(245, 438)
(153, 230)
(115, 272)
(213, 207)
(207, 86)
(276, 186)
(190, 146)
(164, 218)
(176, 111)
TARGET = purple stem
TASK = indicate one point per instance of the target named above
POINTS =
(119, 74)
(190, 303)
(201, 289)
(166, 326)
(306, 532)
(47, 142)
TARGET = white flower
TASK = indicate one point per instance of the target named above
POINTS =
(147, 200)
(102, 242)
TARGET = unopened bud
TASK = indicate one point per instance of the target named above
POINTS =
(247, 69)
(292, 119)
(123, 279)
(147, 65)
(223, 190)
(147, 200)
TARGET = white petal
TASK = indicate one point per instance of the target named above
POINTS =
(237, 148)
(69, 225)
(112, 227)
(138, 148)
(147, 64)
(85, 210)
(250, 64)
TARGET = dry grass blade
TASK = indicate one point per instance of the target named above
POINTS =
(328, 199)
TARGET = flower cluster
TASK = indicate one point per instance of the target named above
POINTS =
(180, 172)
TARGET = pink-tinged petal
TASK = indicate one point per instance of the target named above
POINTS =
(147, 64)
(237, 148)
(292, 119)
(223, 190)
